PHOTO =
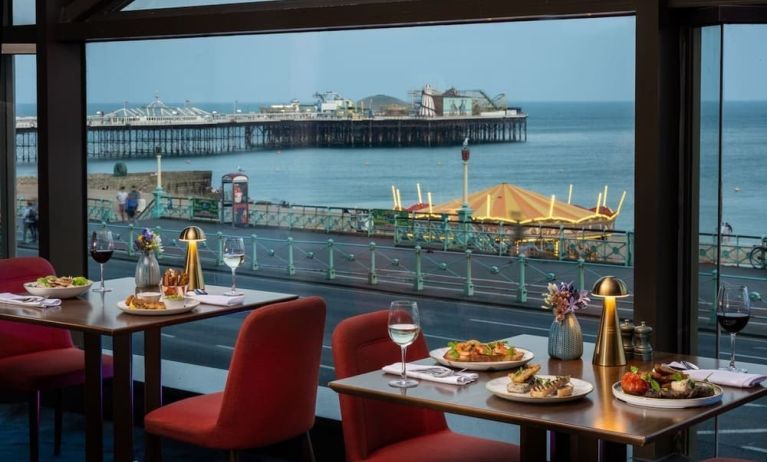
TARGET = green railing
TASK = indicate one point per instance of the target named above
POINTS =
(498, 279)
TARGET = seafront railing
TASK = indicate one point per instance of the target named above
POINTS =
(497, 279)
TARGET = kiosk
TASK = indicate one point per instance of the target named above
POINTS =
(234, 194)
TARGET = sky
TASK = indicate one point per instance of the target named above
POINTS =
(557, 60)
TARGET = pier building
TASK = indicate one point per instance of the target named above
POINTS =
(139, 132)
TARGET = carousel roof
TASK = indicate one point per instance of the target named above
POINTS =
(510, 203)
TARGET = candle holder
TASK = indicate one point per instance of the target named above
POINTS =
(192, 235)
(609, 348)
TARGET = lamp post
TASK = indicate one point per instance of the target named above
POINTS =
(609, 346)
(192, 235)
(464, 213)
(158, 192)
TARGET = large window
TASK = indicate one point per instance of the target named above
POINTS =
(352, 138)
(733, 116)
(26, 206)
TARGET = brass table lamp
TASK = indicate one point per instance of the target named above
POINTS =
(192, 235)
(609, 347)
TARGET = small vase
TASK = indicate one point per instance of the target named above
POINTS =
(566, 338)
(147, 273)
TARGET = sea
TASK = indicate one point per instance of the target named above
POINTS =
(589, 145)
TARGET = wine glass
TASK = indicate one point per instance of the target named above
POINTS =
(101, 248)
(404, 326)
(733, 312)
(234, 256)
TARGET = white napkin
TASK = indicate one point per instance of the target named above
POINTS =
(29, 300)
(727, 378)
(224, 300)
(412, 370)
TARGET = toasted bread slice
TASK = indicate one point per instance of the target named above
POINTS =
(524, 373)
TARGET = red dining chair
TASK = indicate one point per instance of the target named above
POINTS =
(378, 431)
(34, 358)
(271, 390)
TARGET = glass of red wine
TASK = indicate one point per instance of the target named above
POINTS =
(101, 248)
(733, 312)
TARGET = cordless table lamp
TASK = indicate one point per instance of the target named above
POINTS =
(609, 347)
(192, 235)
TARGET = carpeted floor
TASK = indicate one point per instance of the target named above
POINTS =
(14, 441)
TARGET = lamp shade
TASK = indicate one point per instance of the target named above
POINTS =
(192, 233)
(609, 286)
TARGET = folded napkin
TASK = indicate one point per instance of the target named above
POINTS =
(432, 373)
(224, 300)
(727, 378)
(29, 300)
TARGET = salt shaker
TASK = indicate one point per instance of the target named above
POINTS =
(642, 342)
(627, 332)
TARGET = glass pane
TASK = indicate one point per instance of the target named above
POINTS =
(298, 149)
(26, 155)
(735, 172)
(155, 4)
(23, 12)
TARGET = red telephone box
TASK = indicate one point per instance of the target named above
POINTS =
(234, 190)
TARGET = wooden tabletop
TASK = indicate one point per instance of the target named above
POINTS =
(598, 415)
(98, 313)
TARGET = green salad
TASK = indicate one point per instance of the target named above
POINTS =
(52, 281)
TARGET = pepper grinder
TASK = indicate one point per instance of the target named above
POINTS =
(627, 332)
(642, 342)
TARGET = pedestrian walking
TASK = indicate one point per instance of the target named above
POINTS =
(122, 198)
(29, 219)
(131, 203)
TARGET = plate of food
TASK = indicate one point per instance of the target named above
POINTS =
(149, 307)
(525, 386)
(477, 356)
(58, 286)
(666, 388)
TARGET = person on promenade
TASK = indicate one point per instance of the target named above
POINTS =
(131, 203)
(29, 217)
(141, 202)
(122, 197)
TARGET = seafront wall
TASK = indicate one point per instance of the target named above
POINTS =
(104, 186)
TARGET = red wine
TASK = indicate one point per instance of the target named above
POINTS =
(732, 322)
(101, 256)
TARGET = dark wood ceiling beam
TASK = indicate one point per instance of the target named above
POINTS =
(306, 15)
(77, 10)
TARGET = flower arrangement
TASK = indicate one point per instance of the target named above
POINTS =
(564, 298)
(147, 241)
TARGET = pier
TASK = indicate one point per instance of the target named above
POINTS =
(133, 133)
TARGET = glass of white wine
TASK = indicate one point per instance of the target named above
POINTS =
(234, 256)
(404, 326)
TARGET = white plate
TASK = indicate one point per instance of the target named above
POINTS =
(667, 403)
(439, 356)
(497, 387)
(190, 304)
(56, 292)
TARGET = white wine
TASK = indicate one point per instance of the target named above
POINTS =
(403, 334)
(234, 260)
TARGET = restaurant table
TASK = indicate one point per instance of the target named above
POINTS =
(96, 314)
(596, 426)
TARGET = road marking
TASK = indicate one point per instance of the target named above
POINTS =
(733, 431)
(327, 367)
(754, 448)
(440, 337)
(726, 355)
(544, 329)
(327, 346)
(226, 347)
(755, 405)
(167, 335)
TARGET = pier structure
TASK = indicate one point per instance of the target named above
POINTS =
(132, 133)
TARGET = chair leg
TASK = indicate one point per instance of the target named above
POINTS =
(34, 426)
(306, 448)
(57, 423)
(234, 455)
